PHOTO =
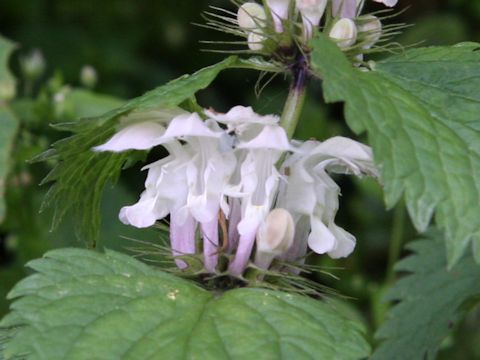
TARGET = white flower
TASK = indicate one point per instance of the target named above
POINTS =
(279, 10)
(274, 237)
(311, 11)
(310, 191)
(214, 177)
(344, 32)
(258, 185)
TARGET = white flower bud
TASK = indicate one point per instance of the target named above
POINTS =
(33, 65)
(88, 76)
(369, 29)
(255, 41)
(274, 237)
(279, 10)
(344, 32)
(251, 16)
(312, 12)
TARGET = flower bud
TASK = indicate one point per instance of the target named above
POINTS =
(255, 41)
(88, 76)
(369, 30)
(279, 10)
(344, 32)
(251, 16)
(312, 11)
(274, 237)
(33, 65)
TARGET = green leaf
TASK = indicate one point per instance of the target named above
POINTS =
(81, 174)
(8, 130)
(7, 81)
(420, 110)
(86, 103)
(430, 302)
(81, 305)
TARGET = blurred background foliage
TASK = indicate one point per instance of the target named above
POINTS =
(137, 45)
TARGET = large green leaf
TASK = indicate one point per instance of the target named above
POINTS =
(81, 174)
(421, 111)
(430, 302)
(85, 305)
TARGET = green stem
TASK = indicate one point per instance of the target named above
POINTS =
(296, 98)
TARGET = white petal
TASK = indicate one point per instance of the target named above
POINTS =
(139, 136)
(241, 115)
(299, 195)
(189, 125)
(271, 137)
(320, 240)
(344, 147)
(144, 213)
(389, 3)
(345, 242)
(344, 156)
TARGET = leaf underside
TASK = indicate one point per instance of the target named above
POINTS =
(81, 304)
(421, 112)
(430, 302)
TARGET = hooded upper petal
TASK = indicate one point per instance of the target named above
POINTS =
(140, 136)
(140, 130)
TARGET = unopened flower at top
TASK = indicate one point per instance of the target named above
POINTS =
(283, 28)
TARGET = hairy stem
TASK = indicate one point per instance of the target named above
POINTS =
(296, 97)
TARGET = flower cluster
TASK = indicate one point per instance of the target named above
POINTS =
(238, 183)
(284, 24)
